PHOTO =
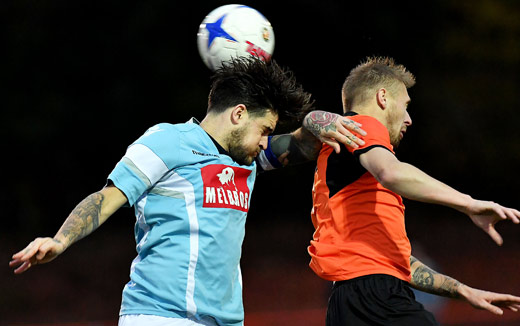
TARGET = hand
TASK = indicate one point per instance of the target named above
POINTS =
(40, 251)
(333, 129)
(485, 214)
(489, 301)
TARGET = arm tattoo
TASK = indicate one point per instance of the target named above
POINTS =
(84, 218)
(426, 279)
(305, 145)
(317, 121)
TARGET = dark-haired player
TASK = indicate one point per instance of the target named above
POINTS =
(190, 185)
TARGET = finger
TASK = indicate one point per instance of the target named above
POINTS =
(511, 299)
(353, 126)
(40, 254)
(18, 254)
(511, 214)
(43, 249)
(494, 235)
(22, 252)
(30, 251)
(356, 140)
(496, 310)
(25, 266)
(14, 262)
(348, 139)
(491, 308)
(334, 144)
(503, 299)
(500, 211)
(50, 246)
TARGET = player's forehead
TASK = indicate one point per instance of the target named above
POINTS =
(268, 120)
(402, 92)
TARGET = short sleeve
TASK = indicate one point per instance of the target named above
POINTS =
(146, 161)
(377, 135)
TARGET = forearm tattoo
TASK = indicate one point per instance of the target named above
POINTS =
(84, 218)
(428, 280)
(317, 121)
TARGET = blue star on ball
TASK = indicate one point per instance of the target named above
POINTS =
(215, 30)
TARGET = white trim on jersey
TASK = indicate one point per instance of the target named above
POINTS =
(147, 162)
(179, 184)
(151, 320)
(141, 221)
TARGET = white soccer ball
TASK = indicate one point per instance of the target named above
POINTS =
(234, 31)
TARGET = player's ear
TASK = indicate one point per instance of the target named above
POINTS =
(239, 114)
(382, 98)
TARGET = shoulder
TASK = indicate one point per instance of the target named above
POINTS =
(171, 127)
(377, 134)
(168, 131)
(368, 122)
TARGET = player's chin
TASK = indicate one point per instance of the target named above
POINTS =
(245, 160)
(396, 141)
(252, 157)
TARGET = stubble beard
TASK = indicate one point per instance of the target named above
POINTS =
(394, 133)
(236, 148)
(395, 139)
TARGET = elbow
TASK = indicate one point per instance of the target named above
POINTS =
(387, 177)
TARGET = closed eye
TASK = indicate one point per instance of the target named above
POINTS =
(267, 131)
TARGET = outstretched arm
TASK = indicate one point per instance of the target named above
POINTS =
(427, 280)
(319, 127)
(88, 215)
(410, 182)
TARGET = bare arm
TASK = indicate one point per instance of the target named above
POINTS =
(88, 215)
(319, 127)
(427, 280)
(410, 182)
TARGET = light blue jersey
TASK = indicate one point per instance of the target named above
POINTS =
(191, 201)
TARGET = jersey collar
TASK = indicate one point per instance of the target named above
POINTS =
(220, 149)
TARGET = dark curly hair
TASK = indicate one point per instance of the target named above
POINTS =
(260, 86)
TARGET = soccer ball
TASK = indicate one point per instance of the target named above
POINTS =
(234, 31)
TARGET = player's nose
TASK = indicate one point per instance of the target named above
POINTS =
(263, 142)
(407, 119)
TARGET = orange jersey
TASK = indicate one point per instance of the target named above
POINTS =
(360, 227)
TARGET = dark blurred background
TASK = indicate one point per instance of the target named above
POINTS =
(81, 80)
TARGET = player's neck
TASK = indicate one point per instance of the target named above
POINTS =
(373, 111)
(216, 128)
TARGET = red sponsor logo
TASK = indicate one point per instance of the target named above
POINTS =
(225, 187)
(257, 51)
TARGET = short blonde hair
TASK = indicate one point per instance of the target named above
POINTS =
(370, 75)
